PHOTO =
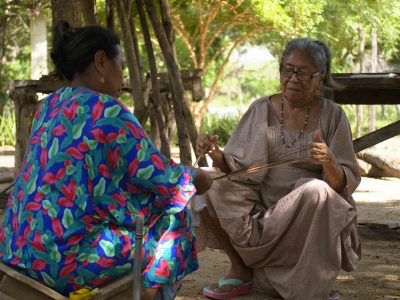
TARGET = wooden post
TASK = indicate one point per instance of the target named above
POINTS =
(25, 103)
(374, 65)
(88, 11)
(175, 80)
(110, 20)
(141, 111)
(156, 99)
(183, 115)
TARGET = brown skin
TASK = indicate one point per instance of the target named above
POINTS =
(297, 97)
(103, 75)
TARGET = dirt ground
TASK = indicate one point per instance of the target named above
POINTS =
(378, 275)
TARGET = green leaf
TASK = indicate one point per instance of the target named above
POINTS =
(70, 170)
(44, 139)
(54, 148)
(79, 191)
(141, 155)
(89, 161)
(32, 184)
(107, 247)
(121, 139)
(92, 258)
(52, 213)
(112, 112)
(104, 98)
(100, 188)
(54, 254)
(77, 130)
(176, 174)
(144, 144)
(47, 279)
(80, 111)
(145, 173)
(45, 189)
(68, 218)
(46, 204)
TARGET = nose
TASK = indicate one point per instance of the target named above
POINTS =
(291, 78)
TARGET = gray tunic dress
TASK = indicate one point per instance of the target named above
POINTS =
(287, 223)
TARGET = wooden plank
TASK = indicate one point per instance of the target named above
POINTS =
(15, 289)
(377, 88)
(376, 137)
(111, 289)
(36, 285)
(6, 297)
(367, 96)
(388, 225)
(378, 234)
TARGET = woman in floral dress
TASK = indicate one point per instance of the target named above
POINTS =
(89, 170)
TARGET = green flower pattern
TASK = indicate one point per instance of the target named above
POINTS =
(89, 170)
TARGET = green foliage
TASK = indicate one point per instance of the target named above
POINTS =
(391, 114)
(7, 127)
(222, 126)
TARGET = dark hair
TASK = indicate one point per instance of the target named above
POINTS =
(317, 51)
(74, 48)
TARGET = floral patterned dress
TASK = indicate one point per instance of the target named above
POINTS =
(89, 170)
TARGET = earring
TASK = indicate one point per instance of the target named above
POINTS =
(102, 79)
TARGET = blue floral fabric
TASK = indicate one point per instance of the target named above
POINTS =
(89, 170)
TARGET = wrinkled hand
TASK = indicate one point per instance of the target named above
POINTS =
(320, 153)
(202, 181)
(206, 144)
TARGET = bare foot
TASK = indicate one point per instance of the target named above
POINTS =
(148, 294)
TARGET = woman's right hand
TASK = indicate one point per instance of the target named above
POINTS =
(202, 181)
(206, 144)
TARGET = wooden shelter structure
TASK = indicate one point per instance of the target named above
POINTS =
(24, 94)
(355, 89)
(370, 89)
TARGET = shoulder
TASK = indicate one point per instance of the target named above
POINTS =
(259, 103)
(332, 109)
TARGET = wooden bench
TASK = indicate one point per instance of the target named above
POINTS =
(16, 286)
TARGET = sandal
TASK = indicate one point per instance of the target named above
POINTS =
(239, 288)
(334, 295)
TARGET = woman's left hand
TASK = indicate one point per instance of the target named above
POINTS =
(320, 153)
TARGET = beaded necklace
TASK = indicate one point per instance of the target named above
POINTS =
(302, 130)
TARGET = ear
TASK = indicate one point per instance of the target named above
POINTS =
(100, 61)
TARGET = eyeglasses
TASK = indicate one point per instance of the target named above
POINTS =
(302, 76)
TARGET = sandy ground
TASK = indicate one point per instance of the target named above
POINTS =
(377, 277)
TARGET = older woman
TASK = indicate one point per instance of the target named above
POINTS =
(288, 230)
(89, 170)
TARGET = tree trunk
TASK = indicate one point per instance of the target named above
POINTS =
(154, 134)
(110, 19)
(183, 116)
(38, 44)
(128, 8)
(374, 64)
(186, 104)
(176, 82)
(359, 108)
(167, 24)
(168, 112)
(88, 8)
(141, 110)
(67, 10)
(156, 98)
(3, 89)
